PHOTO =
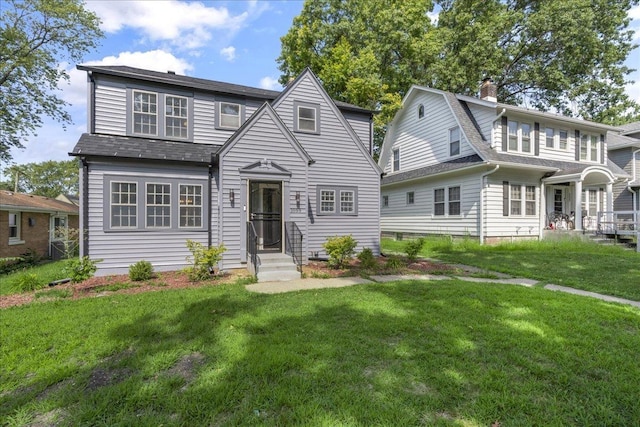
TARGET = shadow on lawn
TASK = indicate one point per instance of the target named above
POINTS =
(408, 354)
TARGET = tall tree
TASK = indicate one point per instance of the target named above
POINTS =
(35, 37)
(568, 56)
(50, 178)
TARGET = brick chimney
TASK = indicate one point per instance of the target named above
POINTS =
(488, 90)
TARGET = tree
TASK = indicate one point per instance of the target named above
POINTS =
(35, 37)
(545, 54)
(49, 179)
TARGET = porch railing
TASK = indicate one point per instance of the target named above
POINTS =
(618, 222)
(293, 243)
(252, 249)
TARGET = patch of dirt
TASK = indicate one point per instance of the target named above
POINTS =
(185, 367)
(121, 284)
(101, 377)
(422, 266)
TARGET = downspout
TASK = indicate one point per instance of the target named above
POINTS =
(209, 202)
(504, 110)
(635, 201)
(85, 207)
(371, 135)
(92, 103)
(481, 207)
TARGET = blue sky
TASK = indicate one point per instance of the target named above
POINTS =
(231, 41)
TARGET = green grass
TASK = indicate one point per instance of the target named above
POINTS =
(407, 353)
(583, 265)
(48, 272)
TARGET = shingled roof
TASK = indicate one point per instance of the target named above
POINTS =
(29, 202)
(143, 148)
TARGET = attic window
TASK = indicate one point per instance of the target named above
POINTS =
(420, 111)
(307, 117)
(229, 115)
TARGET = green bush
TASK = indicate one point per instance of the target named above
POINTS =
(28, 282)
(79, 269)
(413, 248)
(141, 270)
(340, 250)
(394, 263)
(204, 260)
(366, 258)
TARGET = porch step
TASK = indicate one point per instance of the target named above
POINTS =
(277, 267)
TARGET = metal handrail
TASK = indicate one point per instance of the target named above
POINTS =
(252, 248)
(293, 239)
(618, 222)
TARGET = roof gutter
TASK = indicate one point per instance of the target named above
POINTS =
(479, 165)
(92, 102)
(481, 207)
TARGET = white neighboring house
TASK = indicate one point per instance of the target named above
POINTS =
(463, 166)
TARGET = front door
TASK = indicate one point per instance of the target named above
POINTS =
(265, 213)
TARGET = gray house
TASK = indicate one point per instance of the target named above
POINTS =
(624, 151)
(169, 158)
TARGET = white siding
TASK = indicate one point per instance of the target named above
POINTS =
(338, 162)
(425, 141)
(419, 218)
(485, 117)
(263, 140)
(118, 250)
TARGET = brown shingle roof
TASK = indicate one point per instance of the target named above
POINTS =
(28, 202)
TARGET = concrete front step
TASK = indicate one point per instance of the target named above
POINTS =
(276, 267)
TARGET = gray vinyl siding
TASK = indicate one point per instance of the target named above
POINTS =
(425, 141)
(263, 140)
(204, 121)
(419, 218)
(111, 109)
(362, 126)
(497, 225)
(622, 197)
(118, 250)
(339, 161)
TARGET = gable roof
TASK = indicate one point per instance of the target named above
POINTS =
(32, 203)
(615, 141)
(332, 105)
(198, 83)
(629, 128)
(124, 147)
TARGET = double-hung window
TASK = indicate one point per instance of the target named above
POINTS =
(519, 136)
(337, 200)
(385, 201)
(550, 137)
(190, 206)
(158, 205)
(519, 200)
(145, 113)
(124, 204)
(411, 198)
(563, 137)
(396, 160)
(446, 201)
(516, 199)
(589, 147)
(530, 200)
(176, 117)
(306, 117)
(14, 227)
(230, 115)
(454, 141)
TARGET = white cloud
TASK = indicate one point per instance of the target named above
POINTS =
(184, 25)
(634, 12)
(270, 83)
(228, 53)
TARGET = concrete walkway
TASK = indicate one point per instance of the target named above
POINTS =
(339, 282)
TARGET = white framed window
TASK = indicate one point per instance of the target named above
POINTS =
(563, 136)
(516, 200)
(396, 160)
(327, 201)
(519, 136)
(446, 201)
(306, 119)
(347, 201)
(229, 115)
(124, 204)
(145, 113)
(550, 134)
(589, 147)
(519, 199)
(385, 201)
(158, 205)
(190, 206)
(176, 116)
(15, 218)
(454, 141)
(592, 201)
(411, 197)
(530, 200)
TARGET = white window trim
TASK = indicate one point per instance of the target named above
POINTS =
(523, 200)
(134, 112)
(200, 206)
(519, 137)
(111, 204)
(16, 240)
(446, 203)
(459, 141)
(589, 137)
(353, 202)
(393, 160)
(317, 122)
(220, 114)
(301, 119)
(323, 201)
(146, 205)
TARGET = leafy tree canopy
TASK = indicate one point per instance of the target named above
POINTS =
(35, 37)
(49, 179)
(563, 55)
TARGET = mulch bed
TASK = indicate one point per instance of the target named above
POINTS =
(121, 284)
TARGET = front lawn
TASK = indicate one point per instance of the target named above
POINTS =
(405, 353)
(610, 270)
(42, 274)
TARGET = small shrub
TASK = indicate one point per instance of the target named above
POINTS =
(320, 275)
(80, 269)
(28, 282)
(413, 248)
(366, 258)
(141, 270)
(204, 260)
(340, 250)
(30, 258)
(394, 263)
(7, 265)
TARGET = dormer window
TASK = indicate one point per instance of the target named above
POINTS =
(160, 115)
(306, 117)
(454, 141)
(519, 137)
(145, 113)
(176, 117)
(229, 115)
(420, 111)
(589, 147)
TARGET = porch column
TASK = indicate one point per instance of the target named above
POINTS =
(578, 206)
(543, 210)
(609, 190)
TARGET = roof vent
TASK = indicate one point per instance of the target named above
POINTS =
(171, 72)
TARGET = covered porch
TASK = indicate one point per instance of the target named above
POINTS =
(571, 200)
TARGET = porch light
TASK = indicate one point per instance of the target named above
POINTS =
(232, 196)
